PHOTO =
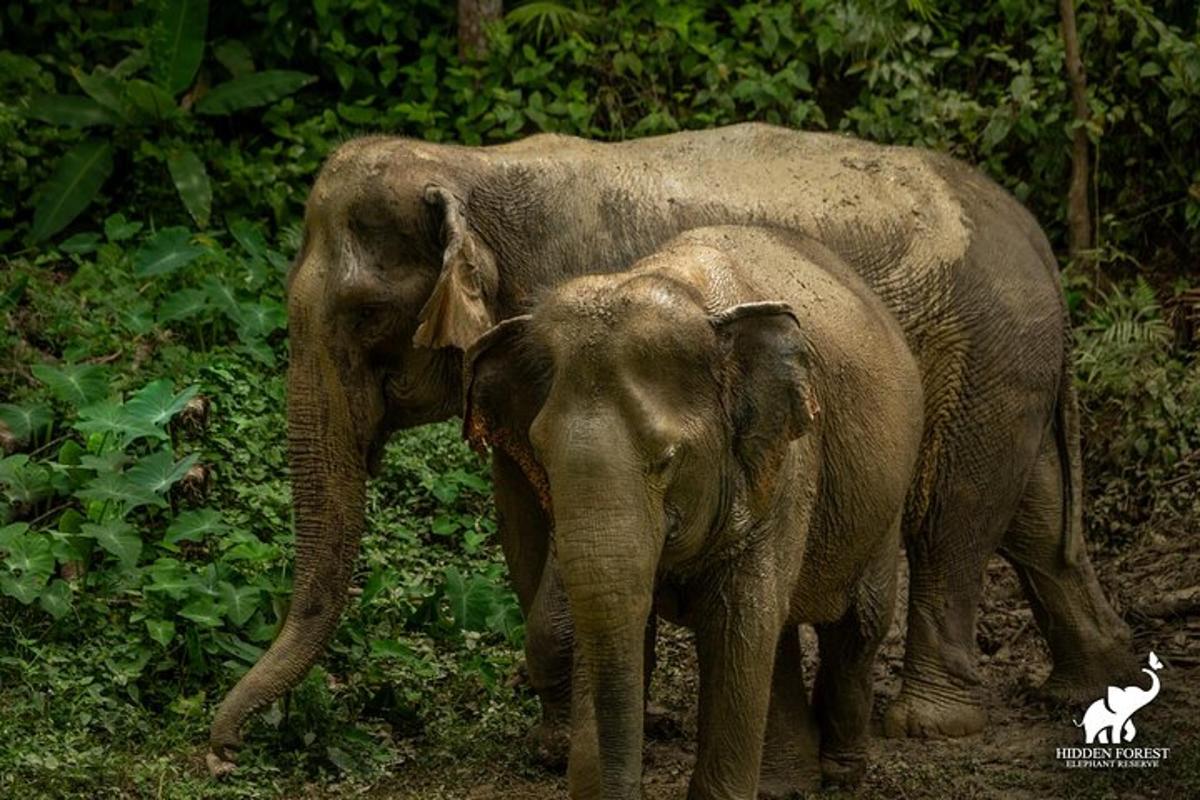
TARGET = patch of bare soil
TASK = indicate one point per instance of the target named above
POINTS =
(1156, 586)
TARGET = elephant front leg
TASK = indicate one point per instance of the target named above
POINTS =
(845, 683)
(525, 537)
(736, 639)
(790, 759)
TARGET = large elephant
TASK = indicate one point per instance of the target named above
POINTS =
(732, 425)
(412, 250)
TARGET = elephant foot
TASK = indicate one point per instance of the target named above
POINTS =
(661, 724)
(786, 782)
(219, 766)
(933, 714)
(843, 770)
(550, 741)
(1080, 681)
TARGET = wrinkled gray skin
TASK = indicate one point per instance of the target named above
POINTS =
(745, 461)
(413, 250)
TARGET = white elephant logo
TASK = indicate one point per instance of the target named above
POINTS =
(1109, 719)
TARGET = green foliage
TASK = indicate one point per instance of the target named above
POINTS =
(137, 108)
(157, 160)
(1141, 411)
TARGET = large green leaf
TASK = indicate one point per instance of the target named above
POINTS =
(76, 384)
(471, 602)
(29, 562)
(183, 304)
(177, 42)
(70, 110)
(156, 403)
(257, 89)
(166, 251)
(240, 602)
(117, 537)
(192, 526)
(203, 610)
(191, 181)
(55, 599)
(159, 471)
(75, 183)
(161, 630)
(24, 481)
(26, 423)
(150, 102)
(105, 89)
(171, 577)
(115, 487)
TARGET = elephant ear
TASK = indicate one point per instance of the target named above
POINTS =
(458, 312)
(771, 400)
(504, 387)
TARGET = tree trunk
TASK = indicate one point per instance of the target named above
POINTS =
(1079, 218)
(473, 17)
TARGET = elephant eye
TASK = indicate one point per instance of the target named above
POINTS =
(663, 465)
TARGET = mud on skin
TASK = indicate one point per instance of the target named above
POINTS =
(412, 250)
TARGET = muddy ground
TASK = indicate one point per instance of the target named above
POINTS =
(1157, 588)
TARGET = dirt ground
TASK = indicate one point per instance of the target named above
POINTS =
(1156, 586)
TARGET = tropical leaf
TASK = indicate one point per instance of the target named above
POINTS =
(191, 181)
(250, 237)
(156, 404)
(168, 250)
(203, 610)
(26, 423)
(75, 384)
(171, 577)
(240, 602)
(29, 561)
(24, 481)
(104, 418)
(105, 89)
(235, 57)
(184, 304)
(256, 89)
(116, 537)
(55, 599)
(177, 42)
(159, 471)
(471, 602)
(70, 110)
(192, 526)
(150, 101)
(114, 487)
(161, 630)
(75, 183)
(118, 229)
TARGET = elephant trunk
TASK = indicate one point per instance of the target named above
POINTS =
(607, 556)
(327, 453)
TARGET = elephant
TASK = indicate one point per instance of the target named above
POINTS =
(731, 425)
(413, 250)
(1109, 720)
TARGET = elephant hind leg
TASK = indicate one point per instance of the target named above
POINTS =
(790, 761)
(939, 696)
(1089, 643)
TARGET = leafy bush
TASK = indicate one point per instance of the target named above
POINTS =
(1141, 411)
(144, 510)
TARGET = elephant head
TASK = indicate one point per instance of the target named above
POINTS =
(391, 283)
(661, 428)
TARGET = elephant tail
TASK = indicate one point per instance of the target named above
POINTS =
(1066, 437)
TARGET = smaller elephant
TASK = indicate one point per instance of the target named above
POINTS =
(1109, 720)
(726, 435)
